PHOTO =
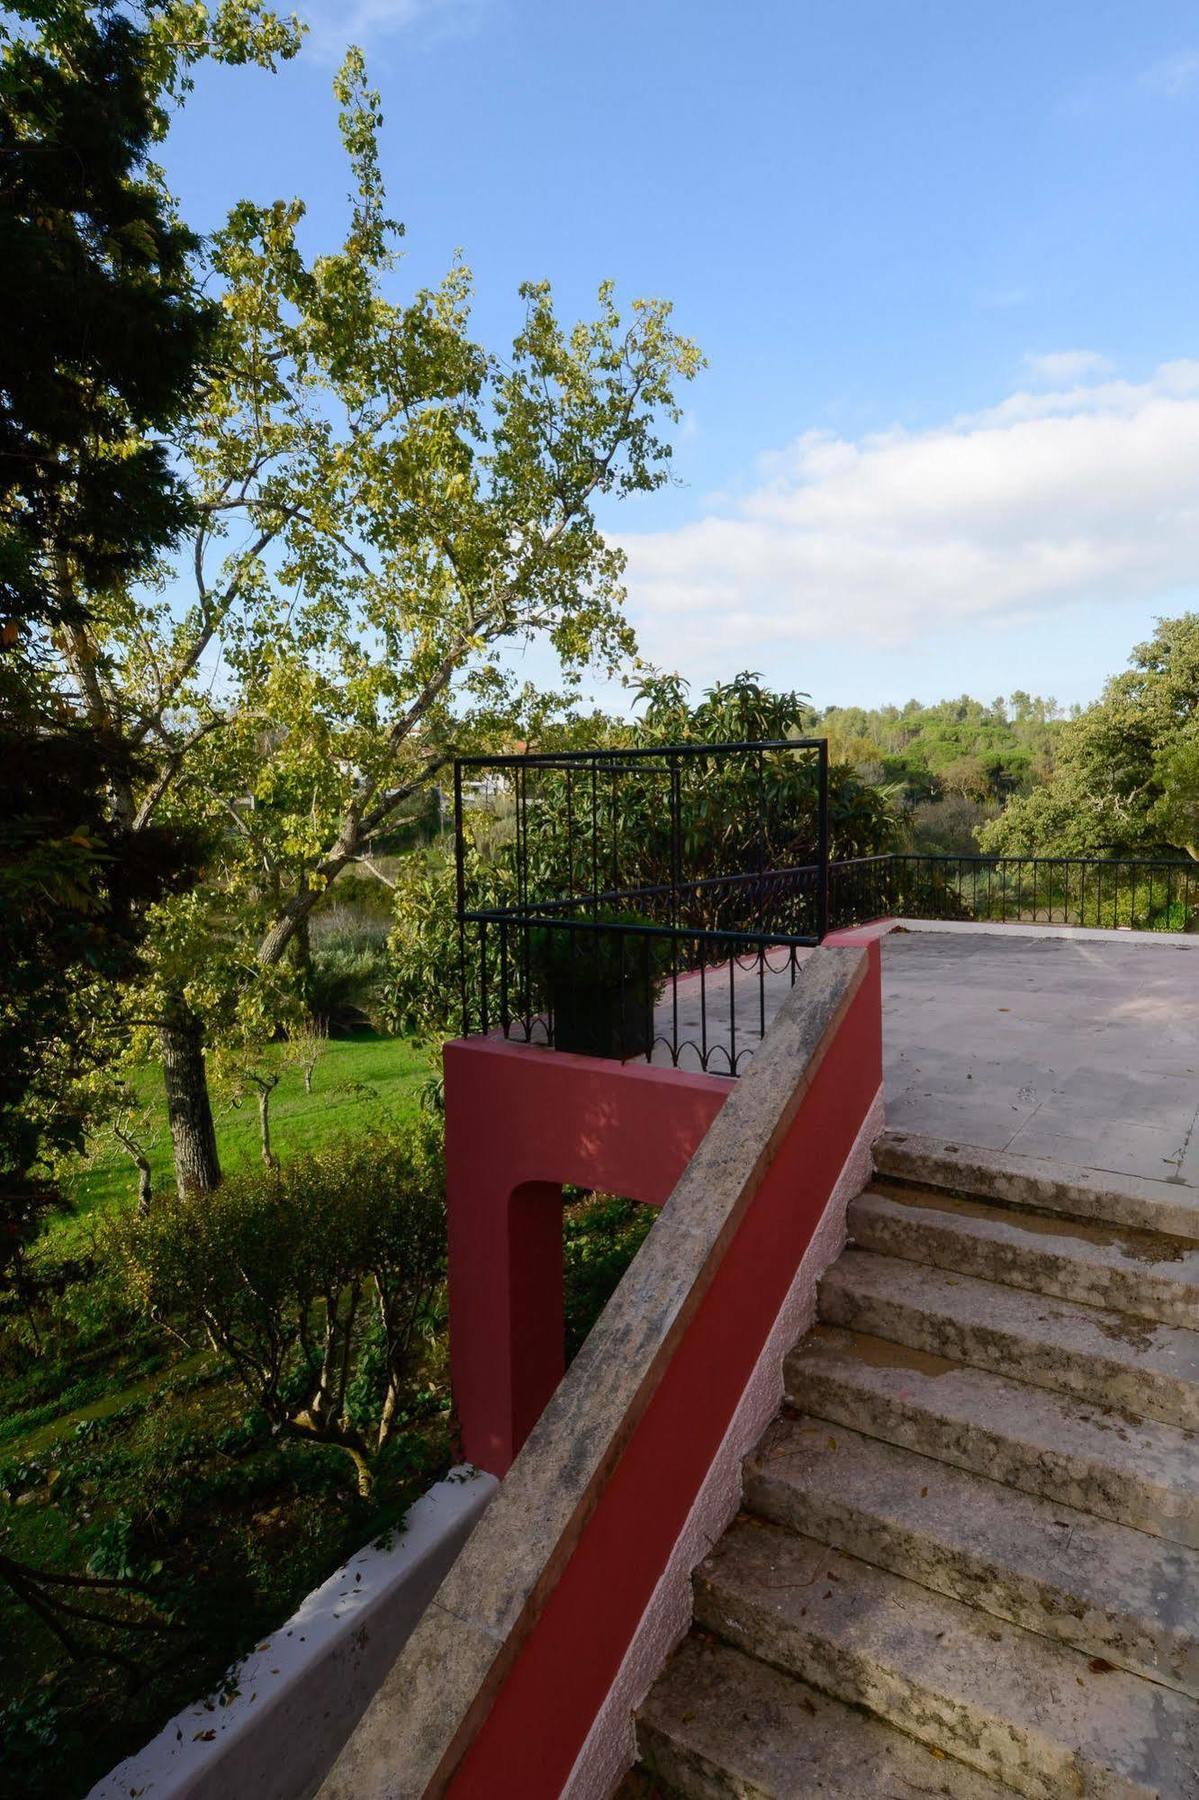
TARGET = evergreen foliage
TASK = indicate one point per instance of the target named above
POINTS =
(1125, 776)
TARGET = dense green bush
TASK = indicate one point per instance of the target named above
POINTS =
(345, 982)
(317, 1281)
(423, 996)
(601, 1235)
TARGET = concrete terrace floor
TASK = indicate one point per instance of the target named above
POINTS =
(1074, 1049)
(1077, 1047)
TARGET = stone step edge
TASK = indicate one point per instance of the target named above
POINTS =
(768, 1715)
(881, 1295)
(1168, 1207)
(914, 1422)
(992, 1580)
(933, 1684)
(1047, 1258)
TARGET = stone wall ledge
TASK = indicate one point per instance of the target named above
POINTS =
(302, 1690)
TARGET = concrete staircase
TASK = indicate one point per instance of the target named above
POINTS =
(967, 1562)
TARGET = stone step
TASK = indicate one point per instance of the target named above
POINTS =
(1134, 1471)
(1145, 1273)
(1109, 1358)
(1102, 1588)
(1044, 1719)
(1102, 1198)
(719, 1723)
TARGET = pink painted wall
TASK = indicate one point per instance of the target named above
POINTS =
(520, 1122)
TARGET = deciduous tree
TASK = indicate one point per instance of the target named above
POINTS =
(384, 507)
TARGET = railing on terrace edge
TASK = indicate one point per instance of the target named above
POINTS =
(607, 920)
(1137, 894)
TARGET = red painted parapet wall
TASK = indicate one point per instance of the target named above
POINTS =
(522, 1121)
(522, 1678)
(538, 1722)
(519, 1122)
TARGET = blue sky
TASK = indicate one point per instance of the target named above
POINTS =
(941, 258)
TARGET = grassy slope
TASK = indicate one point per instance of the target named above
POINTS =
(123, 1428)
(359, 1083)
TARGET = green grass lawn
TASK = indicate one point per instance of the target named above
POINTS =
(360, 1084)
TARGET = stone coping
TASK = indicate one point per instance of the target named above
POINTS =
(427, 1711)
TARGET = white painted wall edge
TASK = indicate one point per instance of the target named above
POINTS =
(304, 1688)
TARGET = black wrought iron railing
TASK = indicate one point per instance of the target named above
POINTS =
(1130, 894)
(659, 902)
(648, 902)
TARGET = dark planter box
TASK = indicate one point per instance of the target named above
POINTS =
(616, 1022)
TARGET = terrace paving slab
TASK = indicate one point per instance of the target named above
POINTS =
(1082, 1052)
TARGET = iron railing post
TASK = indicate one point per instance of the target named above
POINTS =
(460, 878)
(676, 836)
(822, 921)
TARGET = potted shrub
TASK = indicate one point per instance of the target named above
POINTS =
(601, 986)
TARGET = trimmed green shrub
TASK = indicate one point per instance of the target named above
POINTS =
(316, 1281)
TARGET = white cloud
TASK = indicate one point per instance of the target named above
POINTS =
(335, 23)
(1174, 75)
(1058, 368)
(1087, 493)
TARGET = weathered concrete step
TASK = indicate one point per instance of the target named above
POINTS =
(1111, 1199)
(1146, 1273)
(1015, 1706)
(1102, 1588)
(1109, 1358)
(719, 1723)
(1134, 1471)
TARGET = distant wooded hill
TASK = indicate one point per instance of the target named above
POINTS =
(950, 767)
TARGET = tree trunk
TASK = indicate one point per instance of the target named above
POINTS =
(264, 1126)
(363, 1471)
(301, 950)
(193, 1134)
(145, 1181)
(288, 920)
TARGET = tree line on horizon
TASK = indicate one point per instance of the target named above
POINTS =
(1025, 777)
